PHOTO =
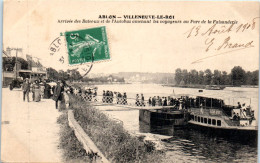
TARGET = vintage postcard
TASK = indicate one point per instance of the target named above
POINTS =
(121, 81)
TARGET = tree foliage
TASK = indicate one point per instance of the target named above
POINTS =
(71, 75)
(9, 63)
(238, 76)
(178, 75)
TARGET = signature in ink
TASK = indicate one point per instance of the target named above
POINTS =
(226, 45)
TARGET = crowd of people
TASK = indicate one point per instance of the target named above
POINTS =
(42, 90)
(243, 112)
(182, 102)
(59, 91)
(89, 94)
(140, 100)
(38, 89)
(159, 101)
(108, 97)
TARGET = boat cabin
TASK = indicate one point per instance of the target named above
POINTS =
(214, 112)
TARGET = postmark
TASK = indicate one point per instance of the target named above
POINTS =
(87, 45)
(59, 43)
(55, 46)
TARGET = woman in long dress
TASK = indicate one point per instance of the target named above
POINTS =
(42, 87)
(47, 90)
(37, 91)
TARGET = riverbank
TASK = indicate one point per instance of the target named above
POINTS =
(72, 149)
(110, 137)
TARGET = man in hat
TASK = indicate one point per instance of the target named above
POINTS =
(239, 105)
(142, 100)
(57, 95)
(26, 89)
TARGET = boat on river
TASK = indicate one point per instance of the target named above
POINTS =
(214, 87)
(164, 117)
(213, 115)
(199, 111)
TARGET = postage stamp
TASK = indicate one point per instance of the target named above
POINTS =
(87, 45)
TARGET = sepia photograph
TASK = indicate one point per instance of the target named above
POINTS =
(130, 81)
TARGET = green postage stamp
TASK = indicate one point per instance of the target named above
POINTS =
(87, 45)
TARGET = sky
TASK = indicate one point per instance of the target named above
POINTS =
(155, 47)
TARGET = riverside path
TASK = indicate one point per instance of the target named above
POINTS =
(30, 132)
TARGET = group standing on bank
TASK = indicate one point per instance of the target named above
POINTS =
(42, 90)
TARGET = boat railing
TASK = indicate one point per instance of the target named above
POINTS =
(113, 98)
(230, 121)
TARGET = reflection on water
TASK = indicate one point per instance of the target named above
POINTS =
(162, 130)
(189, 144)
(192, 145)
(210, 148)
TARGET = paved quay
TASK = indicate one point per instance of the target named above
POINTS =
(30, 132)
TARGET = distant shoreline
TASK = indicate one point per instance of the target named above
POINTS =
(164, 85)
(204, 86)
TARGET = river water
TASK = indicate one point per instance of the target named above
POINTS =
(188, 145)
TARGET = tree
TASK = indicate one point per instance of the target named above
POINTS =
(255, 77)
(238, 76)
(52, 74)
(178, 75)
(208, 77)
(194, 76)
(185, 76)
(9, 63)
(63, 75)
(225, 78)
(75, 75)
(201, 77)
(216, 77)
(248, 78)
